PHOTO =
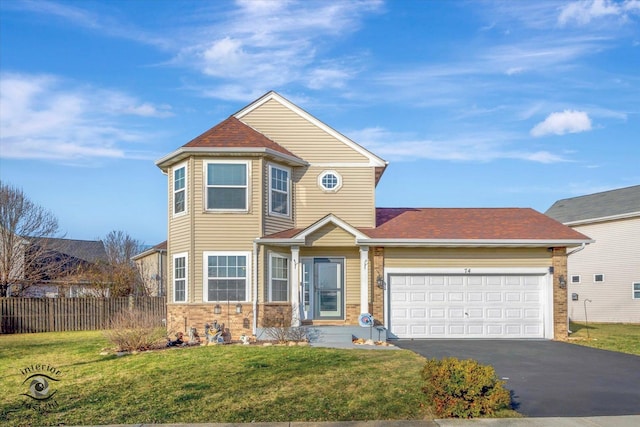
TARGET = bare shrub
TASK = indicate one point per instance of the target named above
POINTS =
(283, 334)
(136, 330)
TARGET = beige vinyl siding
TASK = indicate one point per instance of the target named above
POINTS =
(616, 255)
(215, 231)
(352, 267)
(301, 137)
(179, 235)
(354, 202)
(330, 235)
(466, 257)
(276, 223)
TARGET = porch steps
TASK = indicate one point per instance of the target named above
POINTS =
(341, 336)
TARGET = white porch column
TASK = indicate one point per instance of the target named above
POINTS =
(364, 279)
(295, 286)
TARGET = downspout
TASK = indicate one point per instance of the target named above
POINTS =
(582, 246)
(255, 287)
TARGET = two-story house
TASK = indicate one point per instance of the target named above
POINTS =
(272, 214)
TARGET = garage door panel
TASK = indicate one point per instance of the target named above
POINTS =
(437, 306)
(436, 296)
(456, 296)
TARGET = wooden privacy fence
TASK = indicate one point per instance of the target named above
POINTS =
(24, 315)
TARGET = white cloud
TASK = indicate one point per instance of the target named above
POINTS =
(269, 44)
(568, 121)
(470, 148)
(45, 117)
(583, 12)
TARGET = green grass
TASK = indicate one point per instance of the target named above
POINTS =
(206, 384)
(621, 337)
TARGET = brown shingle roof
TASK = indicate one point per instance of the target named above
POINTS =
(232, 133)
(461, 224)
(469, 224)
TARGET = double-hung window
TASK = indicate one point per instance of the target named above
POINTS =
(180, 277)
(226, 276)
(279, 191)
(179, 190)
(636, 290)
(227, 186)
(279, 278)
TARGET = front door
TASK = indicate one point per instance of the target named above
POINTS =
(322, 288)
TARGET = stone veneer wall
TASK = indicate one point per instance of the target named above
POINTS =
(181, 317)
(560, 303)
(377, 302)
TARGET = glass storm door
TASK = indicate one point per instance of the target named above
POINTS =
(322, 288)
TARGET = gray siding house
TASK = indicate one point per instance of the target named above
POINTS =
(604, 277)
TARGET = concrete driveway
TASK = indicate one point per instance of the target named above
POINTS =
(549, 378)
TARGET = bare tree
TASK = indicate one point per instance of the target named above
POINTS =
(118, 276)
(25, 229)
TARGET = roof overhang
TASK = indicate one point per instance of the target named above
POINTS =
(627, 215)
(473, 243)
(301, 237)
(185, 152)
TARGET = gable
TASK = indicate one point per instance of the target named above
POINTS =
(303, 134)
(330, 235)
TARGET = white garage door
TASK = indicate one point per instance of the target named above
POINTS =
(466, 306)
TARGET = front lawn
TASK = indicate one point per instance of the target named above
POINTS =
(621, 337)
(231, 384)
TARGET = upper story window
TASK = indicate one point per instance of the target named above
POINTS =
(330, 181)
(598, 278)
(636, 290)
(575, 279)
(279, 191)
(227, 188)
(179, 190)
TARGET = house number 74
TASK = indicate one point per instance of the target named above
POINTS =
(467, 271)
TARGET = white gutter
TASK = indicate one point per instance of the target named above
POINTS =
(602, 219)
(187, 151)
(471, 242)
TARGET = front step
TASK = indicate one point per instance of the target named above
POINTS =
(332, 336)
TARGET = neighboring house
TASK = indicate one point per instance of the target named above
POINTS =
(62, 264)
(152, 265)
(604, 278)
(272, 215)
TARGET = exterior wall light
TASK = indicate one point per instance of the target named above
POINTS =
(562, 281)
(217, 309)
(238, 308)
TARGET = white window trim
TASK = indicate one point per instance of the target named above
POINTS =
(205, 273)
(184, 255)
(271, 257)
(633, 290)
(173, 187)
(330, 190)
(247, 186)
(598, 281)
(270, 189)
(578, 281)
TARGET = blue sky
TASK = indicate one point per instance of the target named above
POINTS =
(473, 103)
